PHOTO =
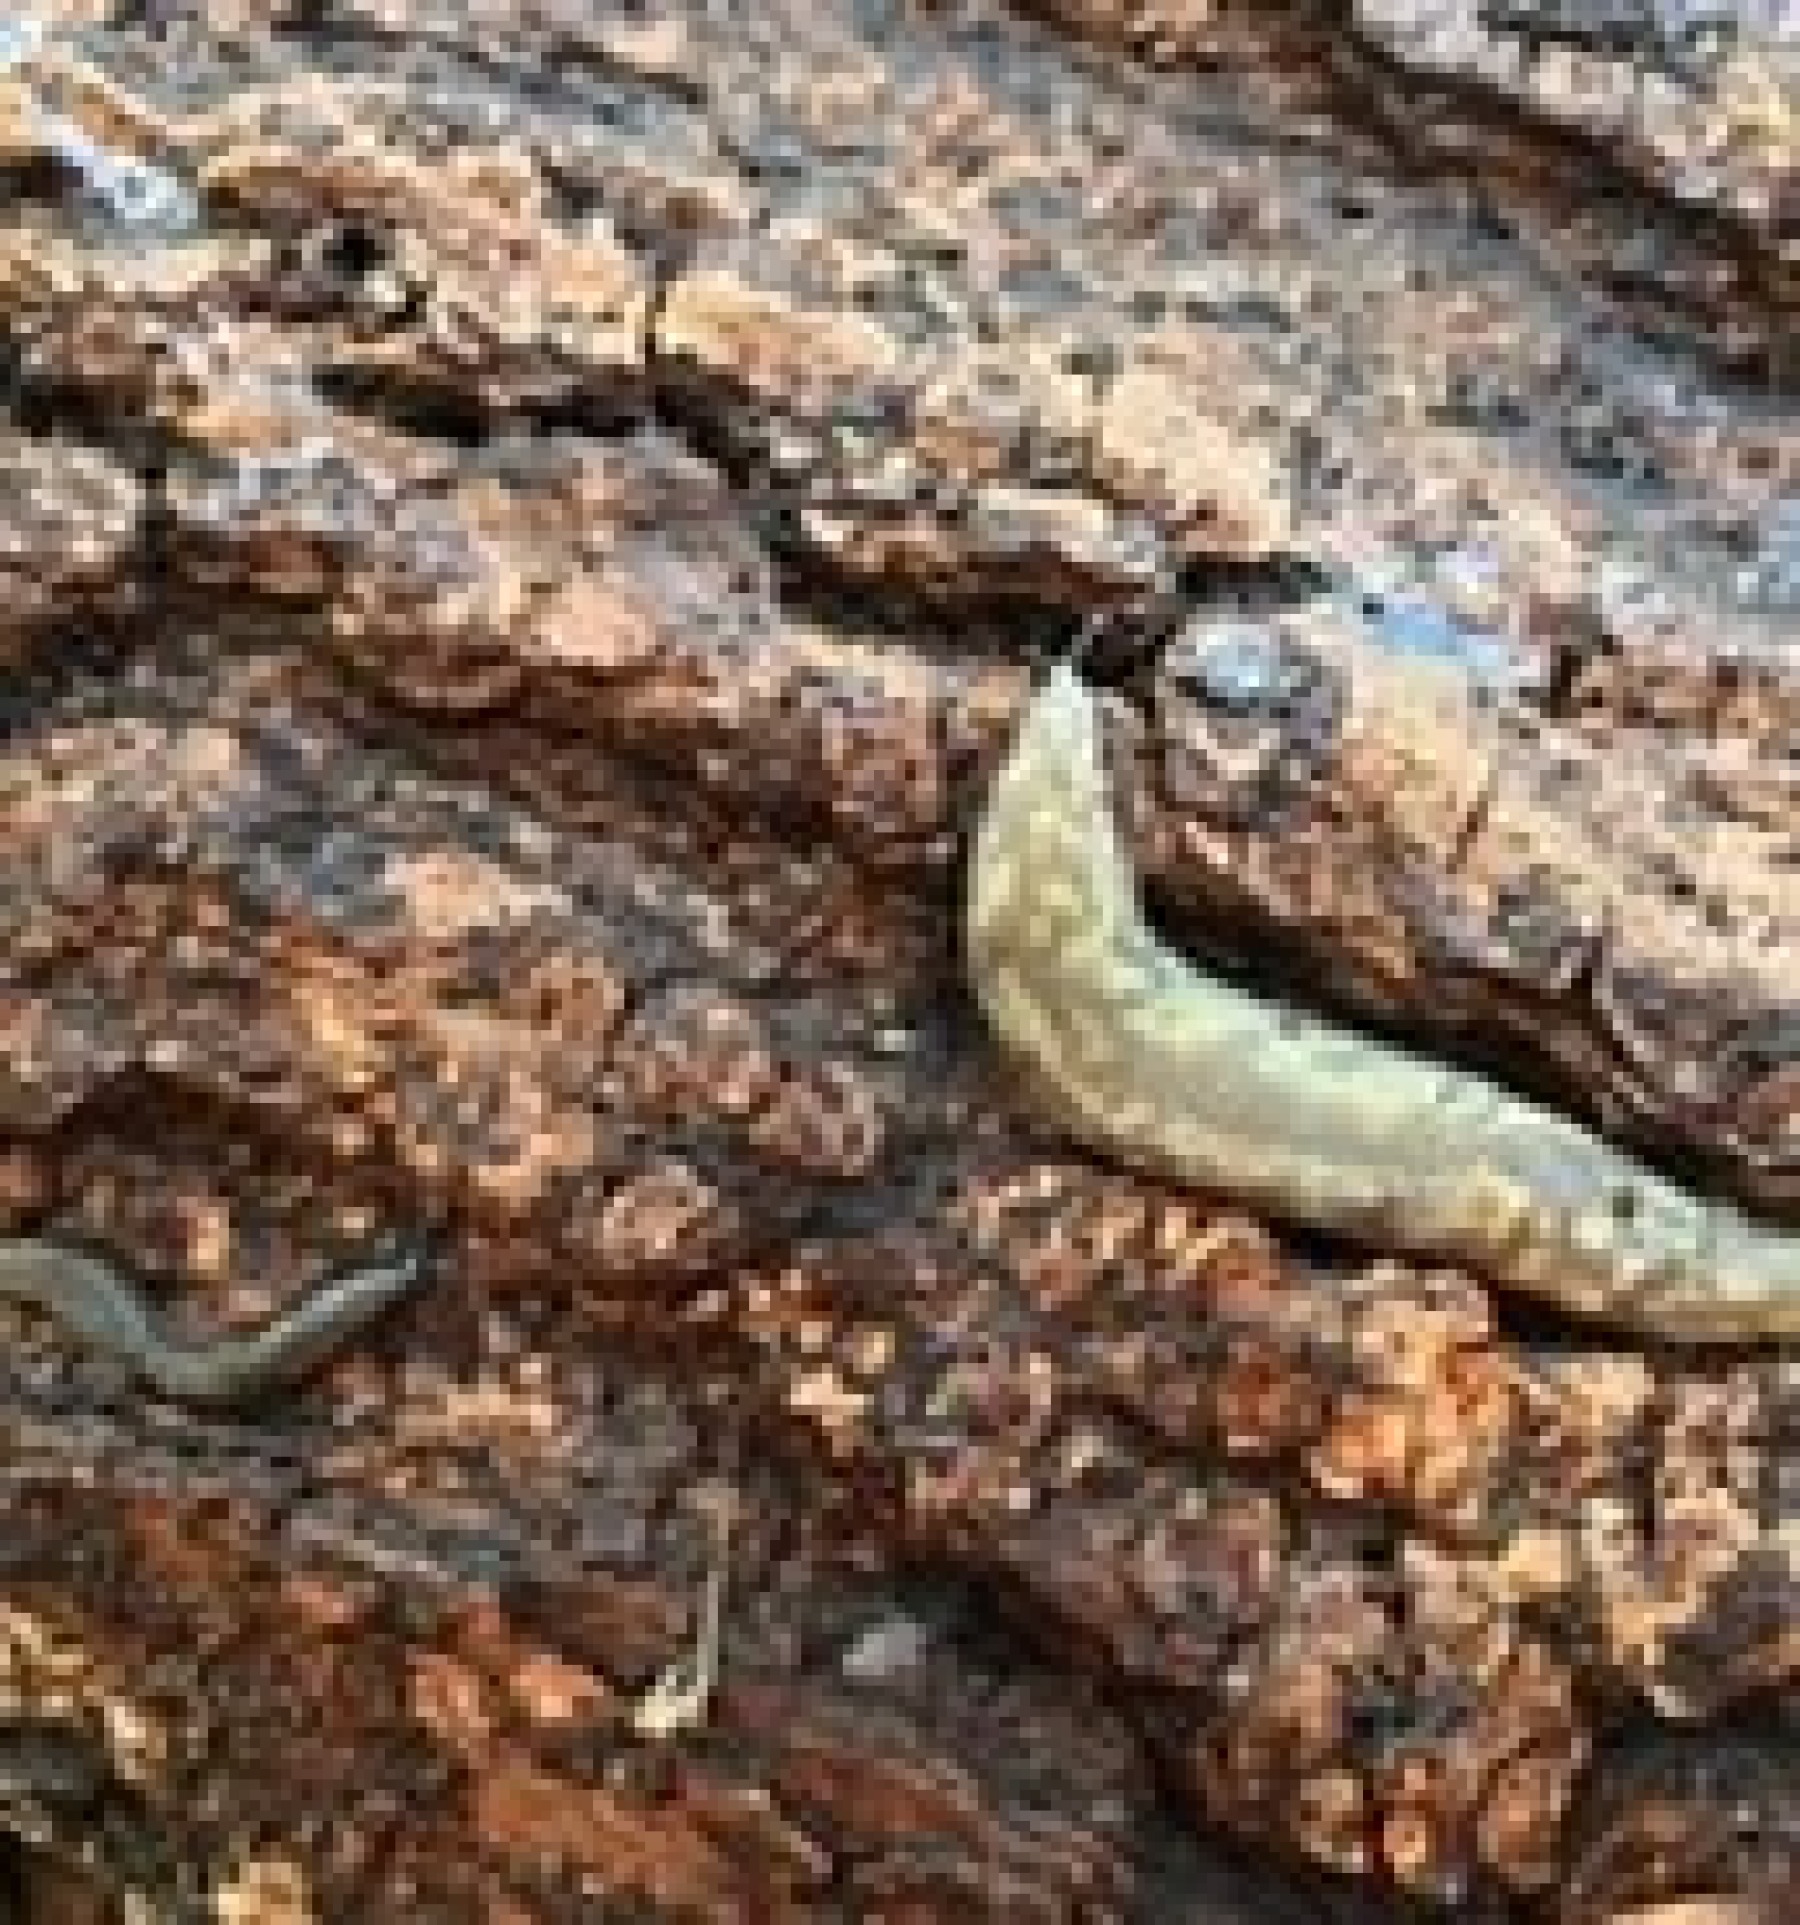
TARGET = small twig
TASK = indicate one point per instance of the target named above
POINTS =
(680, 1697)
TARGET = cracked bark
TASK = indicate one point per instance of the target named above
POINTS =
(506, 624)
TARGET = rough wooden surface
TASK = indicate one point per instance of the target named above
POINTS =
(522, 533)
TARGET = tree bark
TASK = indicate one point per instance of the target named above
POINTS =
(523, 535)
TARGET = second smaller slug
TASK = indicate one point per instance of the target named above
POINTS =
(105, 1309)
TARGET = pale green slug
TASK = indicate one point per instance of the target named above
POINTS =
(1149, 1060)
(99, 1305)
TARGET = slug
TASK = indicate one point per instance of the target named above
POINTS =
(1148, 1060)
(99, 1305)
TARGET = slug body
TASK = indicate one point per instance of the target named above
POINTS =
(99, 1305)
(1152, 1062)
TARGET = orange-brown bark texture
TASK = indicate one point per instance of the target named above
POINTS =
(523, 533)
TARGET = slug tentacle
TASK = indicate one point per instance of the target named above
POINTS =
(104, 1309)
(1154, 1062)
